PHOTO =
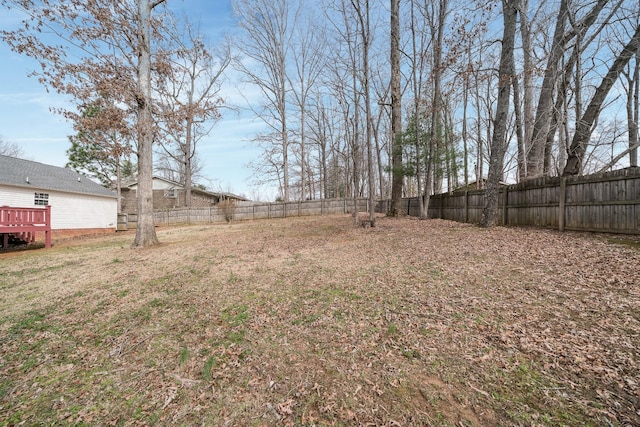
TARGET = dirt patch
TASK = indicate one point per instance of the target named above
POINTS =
(312, 321)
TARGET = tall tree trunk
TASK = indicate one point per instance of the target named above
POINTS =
(498, 141)
(187, 161)
(395, 208)
(436, 132)
(544, 111)
(416, 82)
(479, 170)
(548, 145)
(355, 151)
(465, 132)
(522, 155)
(284, 133)
(145, 230)
(584, 125)
(119, 181)
(527, 83)
(376, 138)
(367, 99)
(365, 34)
(632, 112)
(452, 172)
(545, 101)
(303, 153)
(323, 157)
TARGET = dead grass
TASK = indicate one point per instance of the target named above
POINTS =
(314, 322)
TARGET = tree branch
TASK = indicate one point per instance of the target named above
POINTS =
(619, 156)
(156, 3)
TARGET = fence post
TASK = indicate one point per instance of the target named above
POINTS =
(562, 202)
(466, 206)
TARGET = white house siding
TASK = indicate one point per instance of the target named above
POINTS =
(68, 210)
(16, 197)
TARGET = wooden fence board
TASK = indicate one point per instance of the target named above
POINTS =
(606, 202)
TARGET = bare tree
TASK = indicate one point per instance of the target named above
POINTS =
(145, 229)
(632, 91)
(10, 149)
(363, 13)
(346, 86)
(633, 107)
(381, 131)
(419, 46)
(437, 16)
(584, 127)
(499, 140)
(190, 103)
(321, 130)
(172, 166)
(396, 113)
(268, 28)
(544, 112)
(309, 63)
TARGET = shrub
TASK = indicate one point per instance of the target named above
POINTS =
(228, 208)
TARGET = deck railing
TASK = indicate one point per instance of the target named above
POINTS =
(24, 223)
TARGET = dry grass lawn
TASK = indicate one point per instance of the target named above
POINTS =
(313, 322)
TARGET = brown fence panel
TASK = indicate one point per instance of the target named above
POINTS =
(607, 202)
(534, 202)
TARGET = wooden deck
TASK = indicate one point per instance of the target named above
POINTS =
(23, 223)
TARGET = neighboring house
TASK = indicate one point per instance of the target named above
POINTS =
(79, 206)
(168, 194)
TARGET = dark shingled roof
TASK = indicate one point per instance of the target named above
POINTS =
(15, 172)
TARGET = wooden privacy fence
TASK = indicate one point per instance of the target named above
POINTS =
(607, 202)
(246, 211)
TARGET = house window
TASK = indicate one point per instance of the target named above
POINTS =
(171, 194)
(41, 199)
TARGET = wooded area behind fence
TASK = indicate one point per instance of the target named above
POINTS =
(607, 202)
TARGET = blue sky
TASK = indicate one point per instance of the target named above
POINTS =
(26, 119)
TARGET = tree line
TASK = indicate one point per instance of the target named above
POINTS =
(359, 98)
(414, 97)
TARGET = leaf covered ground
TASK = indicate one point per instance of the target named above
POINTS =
(311, 321)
